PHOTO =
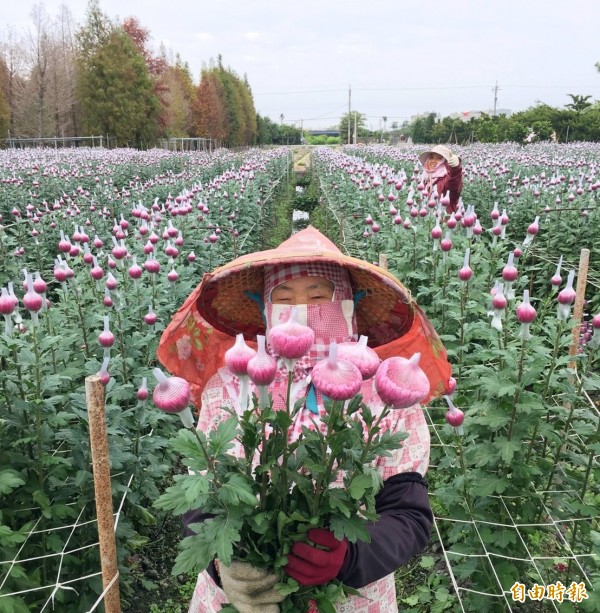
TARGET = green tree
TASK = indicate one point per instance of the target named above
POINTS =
(116, 93)
(578, 103)
(249, 112)
(177, 100)
(268, 130)
(488, 129)
(354, 116)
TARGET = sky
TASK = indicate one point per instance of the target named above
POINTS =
(312, 60)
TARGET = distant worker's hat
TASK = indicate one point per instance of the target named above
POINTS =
(439, 149)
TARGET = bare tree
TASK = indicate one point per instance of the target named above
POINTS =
(12, 50)
(40, 49)
(63, 75)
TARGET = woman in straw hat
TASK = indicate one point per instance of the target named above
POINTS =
(340, 298)
(442, 170)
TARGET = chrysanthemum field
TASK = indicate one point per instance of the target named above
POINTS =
(99, 248)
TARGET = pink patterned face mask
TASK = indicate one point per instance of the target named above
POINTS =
(332, 321)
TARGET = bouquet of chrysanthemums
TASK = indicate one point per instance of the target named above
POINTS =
(280, 488)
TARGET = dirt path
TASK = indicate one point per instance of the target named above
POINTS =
(301, 158)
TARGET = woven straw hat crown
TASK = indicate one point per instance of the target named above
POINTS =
(227, 303)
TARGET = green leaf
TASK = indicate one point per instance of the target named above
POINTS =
(186, 444)
(195, 555)
(507, 448)
(222, 533)
(353, 528)
(173, 500)
(221, 439)
(237, 490)
(287, 588)
(11, 604)
(359, 485)
(338, 500)
(195, 486)
(325, 605)
(9, 481)
(427, 562)
(491, 485)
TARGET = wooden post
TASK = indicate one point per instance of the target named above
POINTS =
(584, 260)
(383, 261)
(94, 394)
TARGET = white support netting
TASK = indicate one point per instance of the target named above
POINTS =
(60, 582)
(555, 524)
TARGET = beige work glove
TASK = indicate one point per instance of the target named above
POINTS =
(250, 589)
(453, 160)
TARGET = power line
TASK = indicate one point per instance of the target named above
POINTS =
(310, 91)
(418, 88)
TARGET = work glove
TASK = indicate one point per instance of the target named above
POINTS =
(311, 566)
(453, 159)
(250, 589)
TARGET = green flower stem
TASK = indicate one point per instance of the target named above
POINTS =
(50, 333)
(517, 391)
(562, 446)
(38, 408)
(545, 395)
(122, 346)
(372, 432)
(557, 340)
(464, 297)
(586, 477)
(286, 447)
(86, 347)
(152, 275)
(17, 365)
(140, 310)
(442, 304)
(463, 469)
(209, 461)
(338, 404)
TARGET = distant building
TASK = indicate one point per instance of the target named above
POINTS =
(323, 132)
(436, 116)
(467, 115)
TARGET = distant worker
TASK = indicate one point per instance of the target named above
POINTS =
(442, 169)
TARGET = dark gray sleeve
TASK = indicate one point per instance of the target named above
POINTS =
(196, 517)
(402, 531)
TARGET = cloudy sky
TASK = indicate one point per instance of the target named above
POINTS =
(400, 57)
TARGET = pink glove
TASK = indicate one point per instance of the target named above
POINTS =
(311, 566)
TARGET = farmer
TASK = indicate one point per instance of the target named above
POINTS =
(442, 169)
(339, 297)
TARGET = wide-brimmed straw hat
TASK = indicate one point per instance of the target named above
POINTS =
(439, 149)
(227, 302)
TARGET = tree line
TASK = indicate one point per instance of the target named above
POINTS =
(579, 120)
(101, 79)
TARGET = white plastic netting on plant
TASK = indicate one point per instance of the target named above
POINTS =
(62, 580)
(552, 568)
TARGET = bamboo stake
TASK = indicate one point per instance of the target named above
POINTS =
(584, 260)
(94, 393)
(383, 261)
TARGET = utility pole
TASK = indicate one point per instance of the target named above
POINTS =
(349, 109)
(302, 131)
(495, 90)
